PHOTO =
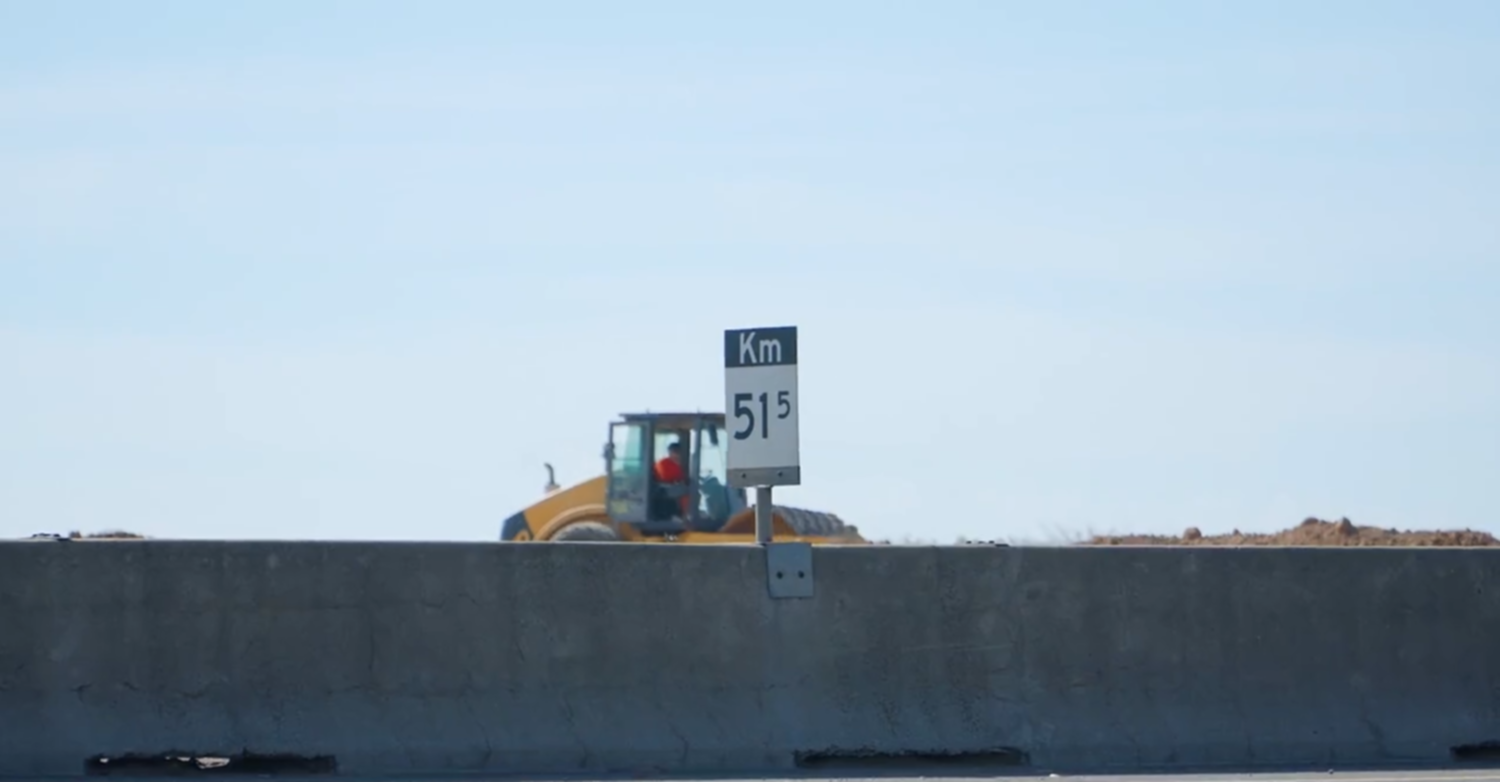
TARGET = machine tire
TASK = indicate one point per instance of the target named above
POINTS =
(813, 523)
(586, 531)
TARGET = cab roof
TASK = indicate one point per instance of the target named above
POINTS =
(674, 420)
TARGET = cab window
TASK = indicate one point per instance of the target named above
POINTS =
(663, 439)
(629, 463)
(715, 499)
(714, 458)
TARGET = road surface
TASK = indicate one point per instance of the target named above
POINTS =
(1444, 775)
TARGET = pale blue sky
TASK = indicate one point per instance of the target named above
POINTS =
(356, 269)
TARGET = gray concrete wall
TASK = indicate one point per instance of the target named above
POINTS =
(556, 658)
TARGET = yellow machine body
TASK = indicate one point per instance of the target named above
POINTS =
(622, 504)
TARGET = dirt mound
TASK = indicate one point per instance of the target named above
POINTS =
(1311, 532)
(113, 534)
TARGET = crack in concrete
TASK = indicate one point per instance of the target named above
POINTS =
(1375, 731)
(572, 722)
(16, 673)
(484, 730)
(440, 604)
(197, 694)
(1244, 721)
(676, 732)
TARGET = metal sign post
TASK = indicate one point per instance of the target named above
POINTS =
(760, 403)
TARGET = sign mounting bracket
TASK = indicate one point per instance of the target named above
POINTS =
(789, 569)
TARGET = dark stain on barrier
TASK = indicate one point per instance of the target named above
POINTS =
(173, 763)
(1482, 752)
(1008, 757)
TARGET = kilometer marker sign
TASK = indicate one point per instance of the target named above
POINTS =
(760, 405)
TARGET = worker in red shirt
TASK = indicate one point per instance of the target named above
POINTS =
(669, 467)
(669, 473)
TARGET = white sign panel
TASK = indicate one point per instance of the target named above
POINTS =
(760, 406)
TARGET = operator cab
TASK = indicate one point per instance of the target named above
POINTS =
(702, 501)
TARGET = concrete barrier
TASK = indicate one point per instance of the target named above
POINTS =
(430, 658)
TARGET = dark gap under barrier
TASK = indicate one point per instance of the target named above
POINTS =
(1483, 752)
(1008, 757)
(193, 763)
